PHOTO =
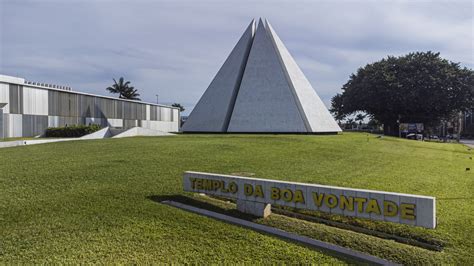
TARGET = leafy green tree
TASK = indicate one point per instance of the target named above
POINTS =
(350, 122)
(360, 118)
(124, 90)
(181, 108)
(418, 87)
(373, 123)
(336, 107)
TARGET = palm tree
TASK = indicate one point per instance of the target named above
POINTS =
(124, 90)
(360, 118)
(350, 122)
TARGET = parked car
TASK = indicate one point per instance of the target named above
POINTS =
(415, 136)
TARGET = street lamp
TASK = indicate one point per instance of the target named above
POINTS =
(399, 131)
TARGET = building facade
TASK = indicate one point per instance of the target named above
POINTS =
(27, 109)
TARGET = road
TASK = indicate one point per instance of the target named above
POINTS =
(468, 142)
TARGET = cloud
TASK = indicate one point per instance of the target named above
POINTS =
(174, 48)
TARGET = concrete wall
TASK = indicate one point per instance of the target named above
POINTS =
(35, 101)
(30, 110)
(1, 124)
(15, 125)
(5, 97)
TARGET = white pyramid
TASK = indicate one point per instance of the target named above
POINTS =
(212, 112)
(260, 89)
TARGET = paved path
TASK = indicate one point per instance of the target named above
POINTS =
(101, 134)
(468, 142)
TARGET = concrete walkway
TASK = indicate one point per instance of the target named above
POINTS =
(101, 134)
(468, 142)
(6, 144)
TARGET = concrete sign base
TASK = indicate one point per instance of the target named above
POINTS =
(254, 208)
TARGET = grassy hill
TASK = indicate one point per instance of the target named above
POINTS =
(92, 201)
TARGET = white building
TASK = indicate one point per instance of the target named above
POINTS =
(260, 89)
(27, 109)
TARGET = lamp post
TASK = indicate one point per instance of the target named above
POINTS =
(399, 131)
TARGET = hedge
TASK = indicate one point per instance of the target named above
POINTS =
(73, 131)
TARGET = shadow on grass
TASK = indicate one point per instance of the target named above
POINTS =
(203, 205)
(380, 230)
(231, 211)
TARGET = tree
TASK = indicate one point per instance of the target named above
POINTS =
(419, 87)
(124, 90)
(360, 118)
(373, 123)
(181, 108)
(336, 107)
(350, 122)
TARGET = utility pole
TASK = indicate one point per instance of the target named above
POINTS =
(157, 99)
(460, 126)
(399, 131)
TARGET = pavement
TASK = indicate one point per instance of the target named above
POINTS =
(103, 133)
(468, 142)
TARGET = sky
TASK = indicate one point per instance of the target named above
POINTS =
(174, 48)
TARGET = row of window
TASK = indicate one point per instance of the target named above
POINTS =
(75, 105)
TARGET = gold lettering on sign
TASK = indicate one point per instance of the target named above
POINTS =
(330, 201)
(259, 191)
(346, 203)
(213, 185)
(360, 204)
(364, 205)
(233, 187)
(373, 207)
(299, 198)
(407, 211)
(390, 208)
(318, 199)
(275, 195)
(287, 195)
(248, 189)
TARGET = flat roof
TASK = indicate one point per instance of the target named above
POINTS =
(22, 81)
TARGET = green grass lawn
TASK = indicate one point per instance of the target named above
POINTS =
(91, 201)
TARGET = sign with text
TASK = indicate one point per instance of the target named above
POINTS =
(371, 204)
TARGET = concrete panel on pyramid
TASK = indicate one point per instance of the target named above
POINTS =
(265, 102)
(315, 113)
(212, 112)
(260, 89)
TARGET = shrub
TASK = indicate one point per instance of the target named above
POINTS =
(73, 131)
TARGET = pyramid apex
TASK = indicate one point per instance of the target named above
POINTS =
(267, 23)
(251, 26)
